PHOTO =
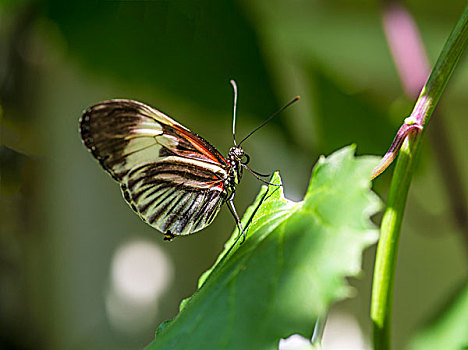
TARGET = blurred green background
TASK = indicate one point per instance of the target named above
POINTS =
(79, 270)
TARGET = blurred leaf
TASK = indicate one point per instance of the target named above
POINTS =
(449, 329)
(190, 49)
(11, 165)
(347, 40)
(7, 5)
(344, 118)
(290, 268)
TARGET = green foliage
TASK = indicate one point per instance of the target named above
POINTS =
(361, 109)
(449, 329)
(188, 49)
(290, 268)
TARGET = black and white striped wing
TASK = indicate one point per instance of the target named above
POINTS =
(176, 195)
(171, 177)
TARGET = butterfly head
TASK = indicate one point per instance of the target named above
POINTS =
(237, 159)
(238, 155)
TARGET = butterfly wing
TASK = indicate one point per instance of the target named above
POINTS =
(171, 177)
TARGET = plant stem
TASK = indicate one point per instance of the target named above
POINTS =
(407, 48)
(387, 249)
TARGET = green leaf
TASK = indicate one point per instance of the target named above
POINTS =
(338, 112)
(189, 49)
(291, 266)
(449, 329)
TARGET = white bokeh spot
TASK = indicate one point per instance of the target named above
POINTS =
(140, 274)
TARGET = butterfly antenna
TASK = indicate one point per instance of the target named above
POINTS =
(234, 86)
(270, 118)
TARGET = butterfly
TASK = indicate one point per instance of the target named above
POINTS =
(174, 179)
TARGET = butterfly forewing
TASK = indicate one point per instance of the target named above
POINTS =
(173, 178)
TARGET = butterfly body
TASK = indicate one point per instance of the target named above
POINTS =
(175, 180)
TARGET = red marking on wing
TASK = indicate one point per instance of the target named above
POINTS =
(202, 146)
(217, 183)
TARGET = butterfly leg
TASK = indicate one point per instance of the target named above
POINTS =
(257, 176)
(232, 208)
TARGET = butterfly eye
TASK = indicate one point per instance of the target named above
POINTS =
(245, 159)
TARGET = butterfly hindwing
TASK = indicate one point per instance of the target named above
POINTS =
(171, 177)
(176, 194)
